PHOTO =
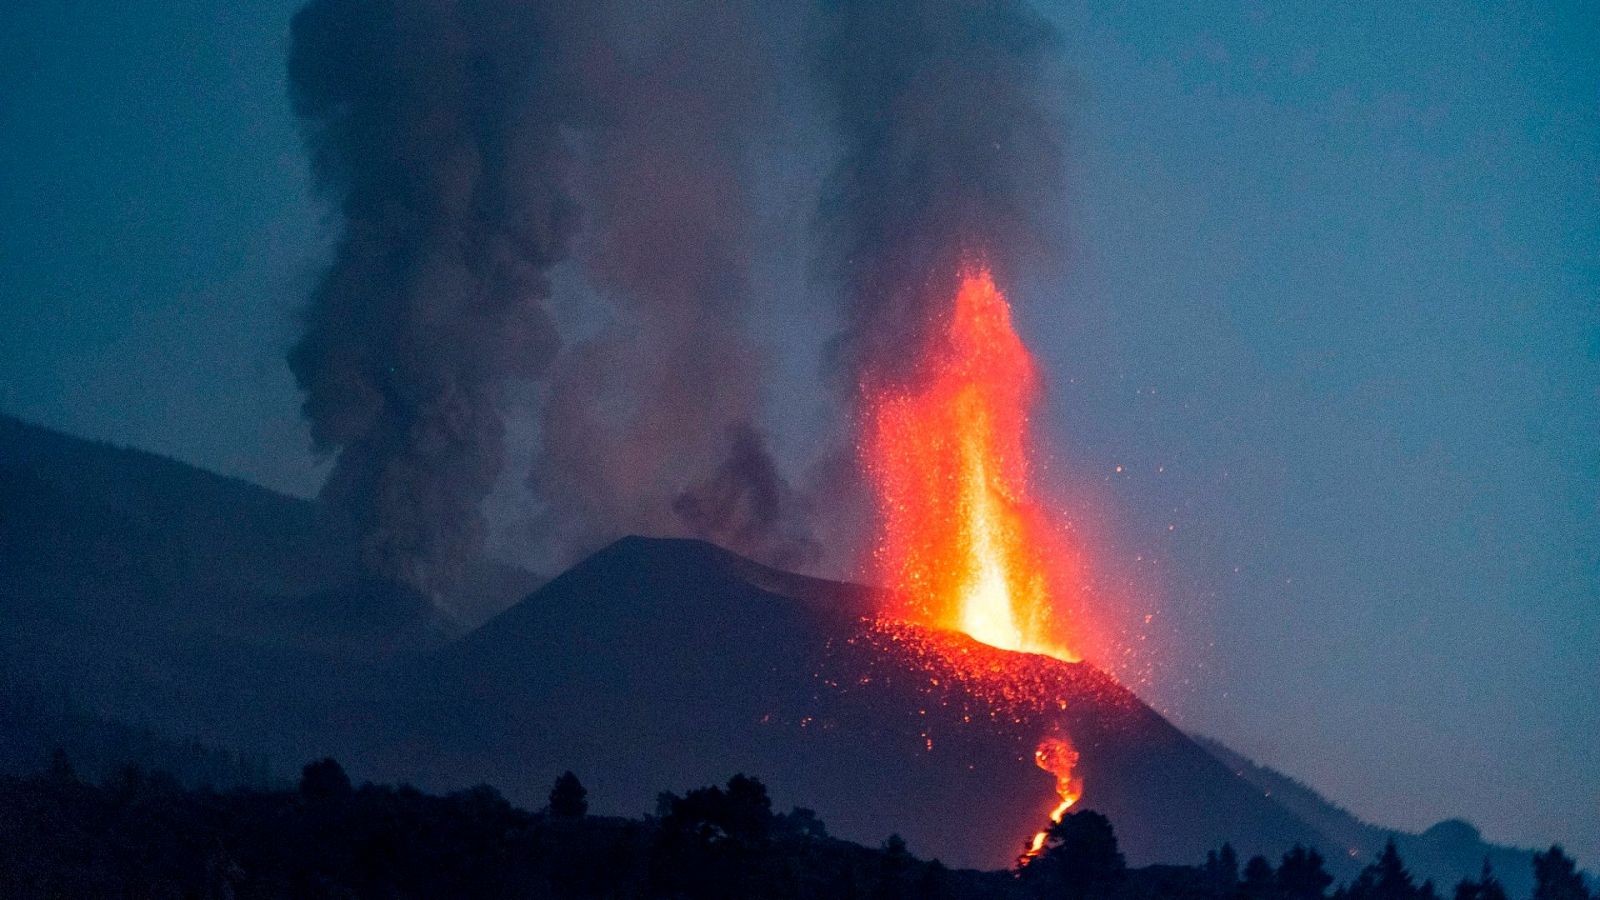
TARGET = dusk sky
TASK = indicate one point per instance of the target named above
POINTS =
(1323, 354)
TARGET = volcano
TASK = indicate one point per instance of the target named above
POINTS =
(653, 664)
(661, 662)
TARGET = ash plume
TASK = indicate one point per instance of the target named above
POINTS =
(433, 129)
(748, 503)
(638, 414)
(950, 148)
(458, 141)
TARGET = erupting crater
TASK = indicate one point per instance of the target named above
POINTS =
(962, 543)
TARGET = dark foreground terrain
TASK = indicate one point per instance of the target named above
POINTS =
(144, 835)
(157, 614)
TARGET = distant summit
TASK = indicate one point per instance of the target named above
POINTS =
(1445, 852)
(152, 592)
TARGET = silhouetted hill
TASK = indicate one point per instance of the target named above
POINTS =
(1445, 852)
(200, 606)
(35, 724)
(162, 594)
(672, 661)
(100, 533)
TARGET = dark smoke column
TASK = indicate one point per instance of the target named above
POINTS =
(433, 129)
(951, 147)
(651, 424)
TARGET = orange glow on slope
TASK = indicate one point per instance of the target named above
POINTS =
(961, 539)
(1057, 756)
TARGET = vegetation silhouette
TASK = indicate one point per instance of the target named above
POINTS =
(1301, 876)
(1555, 876)
(1386, 879)
(568, 798)
(1079, 861)
(324, 780)
(1486, 887)
(139, 833)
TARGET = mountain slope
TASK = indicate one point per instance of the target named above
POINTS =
(162, 594)
(34, 725)
(673, 662)
(92, 531)
(1445, 852)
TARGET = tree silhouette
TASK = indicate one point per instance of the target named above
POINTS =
(714, 842)
(1222, 869)
(568, 798)
(61, 767)
(804, 823)
(1301, 876)
(1079, 860)
(324, 780)
(1388, 879)
(894, 868)
(1258, 882)
(934, 883)
(1487, 887)
(747, 816)
(1555, 876)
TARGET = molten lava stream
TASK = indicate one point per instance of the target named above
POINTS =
(1057, 756)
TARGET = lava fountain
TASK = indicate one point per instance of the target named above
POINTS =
(962, 542)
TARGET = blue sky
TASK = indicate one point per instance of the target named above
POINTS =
(1337, 272)
(1331, 300)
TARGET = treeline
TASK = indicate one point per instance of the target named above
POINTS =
(34, 720)
(143, 834)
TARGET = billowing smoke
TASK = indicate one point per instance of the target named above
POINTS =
(747, 503)
(638, 413)
(463, 142)
(434, 128)
(951, 148)
(458, 141)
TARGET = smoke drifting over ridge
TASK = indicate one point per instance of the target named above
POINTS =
(638, 414)
(434, 128)
(473, 147)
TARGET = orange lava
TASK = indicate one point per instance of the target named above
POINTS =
(962, 542)
(961, 539)
(1057, 756)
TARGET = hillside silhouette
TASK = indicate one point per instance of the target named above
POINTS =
(140, 833)
(209, 613)
(672, 660)
(94, 533)
(1442, 852)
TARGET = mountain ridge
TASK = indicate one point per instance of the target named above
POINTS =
(669, 661)
(692, 657)
(1440, 852)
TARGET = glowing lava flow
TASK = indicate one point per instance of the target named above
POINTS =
(960, 536)
(962, 542)
(1057, 756)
